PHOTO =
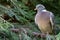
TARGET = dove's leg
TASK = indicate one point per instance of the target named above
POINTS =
(43, 36)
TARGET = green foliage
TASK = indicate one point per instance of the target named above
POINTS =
(58, 36)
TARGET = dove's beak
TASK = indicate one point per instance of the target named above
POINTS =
(35, 9)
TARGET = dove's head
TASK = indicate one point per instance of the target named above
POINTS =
(40, 7)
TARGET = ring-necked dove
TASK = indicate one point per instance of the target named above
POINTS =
(44, 19)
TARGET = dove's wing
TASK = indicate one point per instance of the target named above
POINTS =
(52, 19)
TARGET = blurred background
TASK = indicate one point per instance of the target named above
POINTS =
(17, 18)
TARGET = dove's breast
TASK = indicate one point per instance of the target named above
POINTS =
(42, 17)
